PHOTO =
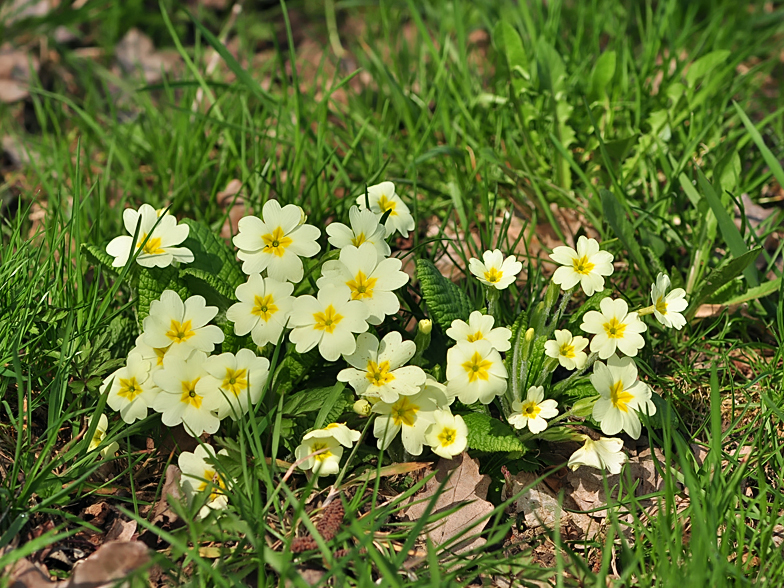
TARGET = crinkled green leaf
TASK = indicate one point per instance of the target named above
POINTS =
(445, 300)
(98, 256)
(213, 256)
(535, 363)
(568, 395)
(152, 282)
(518, 328)
(576, 319)
(214, 290)
(293, 368)
(487, 433)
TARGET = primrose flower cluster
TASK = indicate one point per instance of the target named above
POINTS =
(336, 303)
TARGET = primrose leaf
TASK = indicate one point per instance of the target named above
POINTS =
(214, 290)
(445, 300)
(152, 282)
(293, 368)
(212, 256)
(98, 256)
(487, 433)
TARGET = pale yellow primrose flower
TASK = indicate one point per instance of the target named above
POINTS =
(329, 321)
(277, 242)
(606, 453)
(198, 476)
(160, 249)
(100, 435)
(182, 326)
(475, 371)
(567, 350)
(371, 279)
(586, 266)
(365, 228)
(132, 390)
(614, 328)
(179, 401)
(495, 271)
(382, 197)
(448, 435)
(338, 431)
(667, 307)
(325, 463)
(410, 414)
(622, 395)
(533, 411)
(378, 369)
(239, 378)
(478, 328)
(263, 309)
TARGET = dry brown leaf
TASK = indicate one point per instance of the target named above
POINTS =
(464, 485)
(171, 487)
(121, 530)
(114, 560)
(25, 574)
(15, 74)
(540, 507)
(232, 198)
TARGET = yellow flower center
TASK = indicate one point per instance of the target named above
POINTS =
(189, 395)
(661, 305)
(619, 397)
(379, 373)
(327, 320)
(317, 446)
(404, 412)
(129, 388)
(217, 481)
(179, 332)
(478, 336)
(530, 409)
(447, 436)
(567, 350)
(361, 286)
(152, 246)
(276, 242)
(358, 240)
(614, 328)
(477, 368)
(582, 265)
(159, 353)
(385, 204)
(264, 307)
(97, 438)
(493, 275)
(235, 381)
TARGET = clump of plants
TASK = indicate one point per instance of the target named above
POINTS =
(320, 339)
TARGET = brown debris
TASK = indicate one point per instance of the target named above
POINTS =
(328, 526)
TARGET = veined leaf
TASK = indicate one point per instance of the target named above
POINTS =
(487, 433)
(445, 300)
(212, 256)
(152, 282)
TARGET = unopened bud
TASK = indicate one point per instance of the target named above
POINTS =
(362, 407)
(529, 335)
(425, 326)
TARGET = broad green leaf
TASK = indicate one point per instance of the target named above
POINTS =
(550, 67)
(727, 226)
(764, 289)
(487, 433)
(152, 282)
(213, 256)
(445, 300)
(602, 75)
(767, 155)
(293, 368)
(705, 64)
(333, 406)
(510, 44)
(719, 278)
(623, 229)
(308, 400)
(576, 319)
(98, 256)
(214, 290)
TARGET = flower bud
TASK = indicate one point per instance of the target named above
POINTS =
(362, 407)
(425, 326)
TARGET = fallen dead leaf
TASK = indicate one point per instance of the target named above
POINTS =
(114, 560)
(232, 198)
(462, 485)
(135, 52)
(25, 574)
(121, 530)
(171, 488)
(15, 66)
